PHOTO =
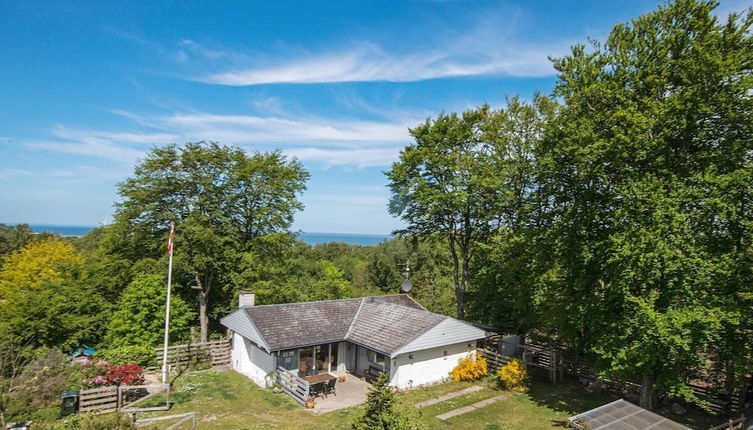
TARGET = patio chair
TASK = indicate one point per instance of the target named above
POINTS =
(316, 389)
(329, 388)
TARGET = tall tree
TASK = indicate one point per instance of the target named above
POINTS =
(648, 177)
(465, 176)
(222, 200)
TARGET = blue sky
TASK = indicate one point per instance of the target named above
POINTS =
(88, 87)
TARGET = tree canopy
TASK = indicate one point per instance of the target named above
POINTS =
(221, 199)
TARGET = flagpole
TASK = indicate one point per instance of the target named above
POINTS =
(167, 303)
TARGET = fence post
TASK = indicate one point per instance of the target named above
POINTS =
(552, 366)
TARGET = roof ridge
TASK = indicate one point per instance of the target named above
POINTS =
(334, 300)
(350, 326)
(302, 303)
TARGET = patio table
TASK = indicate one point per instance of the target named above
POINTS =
(322, 377)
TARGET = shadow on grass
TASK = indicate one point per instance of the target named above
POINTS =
(567, 397)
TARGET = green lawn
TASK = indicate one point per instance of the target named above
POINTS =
(224, 400)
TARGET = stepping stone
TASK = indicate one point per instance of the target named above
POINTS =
(448, 396)
(469, 408)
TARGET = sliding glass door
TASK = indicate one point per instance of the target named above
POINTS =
(317, 359)
(306, 365)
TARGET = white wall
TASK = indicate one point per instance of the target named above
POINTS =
(428, 365)
(251, 361)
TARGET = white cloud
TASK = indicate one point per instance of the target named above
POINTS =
(369, 62)
(329, 142)
(106, 150)
(9, 173)
(256, 129)
(367, 157)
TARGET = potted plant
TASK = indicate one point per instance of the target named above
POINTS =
(310, 402)
(341, 378)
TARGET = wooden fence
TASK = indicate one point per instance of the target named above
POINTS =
(558, 363)
(216, 352)
(494, 360)
(124, 398)
(292, 385)
(531, 355)
(98, 400)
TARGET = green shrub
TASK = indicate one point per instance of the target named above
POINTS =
(144, 356)
(385, 411)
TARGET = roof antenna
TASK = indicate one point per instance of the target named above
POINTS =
(406, 286)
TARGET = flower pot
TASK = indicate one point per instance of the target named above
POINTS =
(310, 404)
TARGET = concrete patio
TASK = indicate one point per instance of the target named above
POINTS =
(350, 392)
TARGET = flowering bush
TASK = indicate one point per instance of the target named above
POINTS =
(469, 368)
(513, 376)
(92, 373)
(129, 374)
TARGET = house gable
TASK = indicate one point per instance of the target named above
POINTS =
(240, 323)
(448, 331)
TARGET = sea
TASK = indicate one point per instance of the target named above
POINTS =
(311, 238)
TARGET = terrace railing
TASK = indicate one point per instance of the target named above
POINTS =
(293, 385)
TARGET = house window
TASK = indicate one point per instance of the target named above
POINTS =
(288, 359)
(376, 358)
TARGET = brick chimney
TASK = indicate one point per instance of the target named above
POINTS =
(246, 298)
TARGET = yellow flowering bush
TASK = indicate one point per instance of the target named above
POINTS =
(469, 368)
(513, 376)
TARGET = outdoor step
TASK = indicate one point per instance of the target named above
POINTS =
(448, 396)
(470, 408)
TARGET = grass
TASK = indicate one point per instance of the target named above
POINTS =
(225, 400)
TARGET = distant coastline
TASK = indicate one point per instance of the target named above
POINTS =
(312, 238)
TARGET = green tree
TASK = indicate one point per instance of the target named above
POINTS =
(442, 185)
(384, 411)
(140, 316)
(647, 179)
(222, 199)
(14, 237)
(39, 262)
(468, 176)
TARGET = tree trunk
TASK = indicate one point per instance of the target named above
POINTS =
(648, 393)
(203, 288)
(456, 279)
(203, 319)
(463, 284)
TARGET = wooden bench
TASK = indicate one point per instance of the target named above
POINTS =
(373, 372)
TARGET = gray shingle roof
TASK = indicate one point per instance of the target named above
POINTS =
(290, 325)
(386, 326)
(382, 323)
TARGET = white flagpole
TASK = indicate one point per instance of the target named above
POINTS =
(167, 303)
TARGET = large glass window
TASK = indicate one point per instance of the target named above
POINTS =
(322, 358)
(306, 365)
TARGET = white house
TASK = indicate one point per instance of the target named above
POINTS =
(364, 336)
